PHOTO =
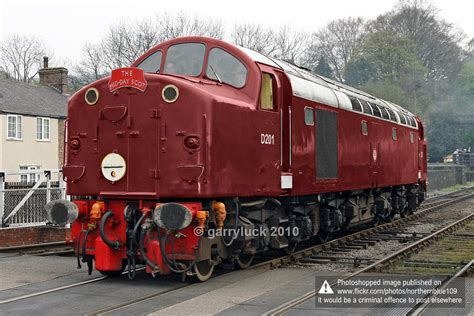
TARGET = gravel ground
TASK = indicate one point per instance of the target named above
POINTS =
(427, 224)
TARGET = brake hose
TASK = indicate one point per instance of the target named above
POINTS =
(172, 265)
(78, 248)
(112, 244)
(84, 242)
(142, 250)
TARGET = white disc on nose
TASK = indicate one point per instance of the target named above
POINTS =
(113, 167)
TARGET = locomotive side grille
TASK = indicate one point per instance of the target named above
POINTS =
(326, 145)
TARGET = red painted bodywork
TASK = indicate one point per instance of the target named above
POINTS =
(230, 160)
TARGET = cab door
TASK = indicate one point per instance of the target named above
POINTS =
(275, 97)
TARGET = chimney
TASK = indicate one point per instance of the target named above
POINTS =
(54, 77)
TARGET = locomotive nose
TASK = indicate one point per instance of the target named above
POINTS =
(61, 212)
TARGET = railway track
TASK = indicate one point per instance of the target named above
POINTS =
(273, 262)
(390, 262)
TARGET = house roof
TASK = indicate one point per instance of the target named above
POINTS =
(23, 98)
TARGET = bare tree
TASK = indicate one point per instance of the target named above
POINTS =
(291, 44)
(20, 56)
(255, 37)
(181, 24)
(336, 43)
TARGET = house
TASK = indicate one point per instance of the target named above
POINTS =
(32, 123)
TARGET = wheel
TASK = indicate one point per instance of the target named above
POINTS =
(243, 261)
(203, 270)
(324, 236)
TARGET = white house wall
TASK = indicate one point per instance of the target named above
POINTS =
(28, 151)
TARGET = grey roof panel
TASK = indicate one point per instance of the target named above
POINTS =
(22, 98)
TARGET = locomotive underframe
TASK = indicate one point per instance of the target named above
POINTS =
(280, 223)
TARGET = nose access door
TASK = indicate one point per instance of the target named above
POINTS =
(141, 134)
(127, 150)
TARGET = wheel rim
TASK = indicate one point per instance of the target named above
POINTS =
(203, 270)
(244, 261)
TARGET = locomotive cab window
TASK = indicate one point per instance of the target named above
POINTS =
(152, 63)
(185, 59)
(224, 67)
(267, 98)
(309, 116)
(394, 133)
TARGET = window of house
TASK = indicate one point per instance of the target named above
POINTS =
(14, 127)
(224, 67)
(152, 63)
(30, 177)
(309, 116)
(266, 95)
(42, 128)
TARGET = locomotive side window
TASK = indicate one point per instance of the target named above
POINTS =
(364, 128)
(222, 66)
(412, 137)
(152, 63)
(266, 95)
(309, 116)
(185, 59)
(356, 105)
(367, 108)
(376, 110)
(394, 133)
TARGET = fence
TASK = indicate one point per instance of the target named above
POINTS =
(22, 204)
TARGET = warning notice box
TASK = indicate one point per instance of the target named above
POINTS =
(389, 291)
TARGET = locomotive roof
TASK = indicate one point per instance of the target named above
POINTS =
(309, 85)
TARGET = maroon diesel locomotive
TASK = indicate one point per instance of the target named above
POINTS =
(203, 152)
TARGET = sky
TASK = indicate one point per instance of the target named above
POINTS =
(65, 26)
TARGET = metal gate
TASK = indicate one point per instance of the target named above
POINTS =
(22, 203)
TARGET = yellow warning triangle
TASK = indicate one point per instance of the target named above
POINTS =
(325, 288)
